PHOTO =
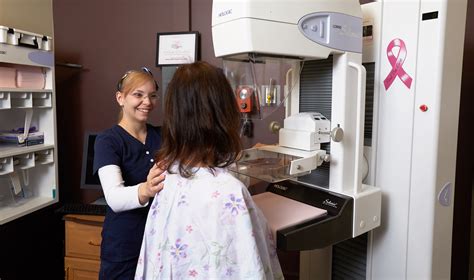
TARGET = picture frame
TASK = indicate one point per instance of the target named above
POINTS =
(176, 48)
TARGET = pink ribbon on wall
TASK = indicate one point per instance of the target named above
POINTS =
(397, 63)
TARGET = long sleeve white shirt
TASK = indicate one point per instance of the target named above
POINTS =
(118, 196)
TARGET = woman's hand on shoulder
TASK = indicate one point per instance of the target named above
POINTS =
(153, 185)
(259, 145)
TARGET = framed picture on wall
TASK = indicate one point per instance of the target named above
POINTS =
(176, 48)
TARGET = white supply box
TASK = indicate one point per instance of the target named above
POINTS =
(17, 37)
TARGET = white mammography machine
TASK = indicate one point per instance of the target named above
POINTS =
(307, 55)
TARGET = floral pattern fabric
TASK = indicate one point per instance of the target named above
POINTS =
(206, 227)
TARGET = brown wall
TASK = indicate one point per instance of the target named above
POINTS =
(462, 226)
(107, 38)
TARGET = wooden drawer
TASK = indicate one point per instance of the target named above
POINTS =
(81, 269)
(83, 236)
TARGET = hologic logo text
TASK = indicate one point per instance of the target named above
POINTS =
(225, 13)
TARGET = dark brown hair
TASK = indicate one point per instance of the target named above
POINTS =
(201, 120)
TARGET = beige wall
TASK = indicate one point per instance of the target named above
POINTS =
(29, 15)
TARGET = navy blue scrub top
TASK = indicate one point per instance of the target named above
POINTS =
(122, 232)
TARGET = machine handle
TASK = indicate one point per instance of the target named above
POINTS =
(361, 76)
(28, 41)
(288, 90)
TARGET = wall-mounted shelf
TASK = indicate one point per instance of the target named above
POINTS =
(23, 207)
(21, 98)
(13, 150)
(28, 174)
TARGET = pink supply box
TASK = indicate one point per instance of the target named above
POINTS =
(7, 77)
(30, 77)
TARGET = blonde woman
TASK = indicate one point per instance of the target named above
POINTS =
(123, 158)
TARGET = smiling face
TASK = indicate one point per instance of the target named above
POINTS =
(138, 103)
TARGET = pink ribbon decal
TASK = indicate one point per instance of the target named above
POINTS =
(397, 63)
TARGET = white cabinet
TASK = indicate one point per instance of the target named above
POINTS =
(28, 173)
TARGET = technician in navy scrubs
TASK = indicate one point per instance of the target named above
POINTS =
(128, 174)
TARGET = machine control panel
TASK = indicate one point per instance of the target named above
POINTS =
(334, 30)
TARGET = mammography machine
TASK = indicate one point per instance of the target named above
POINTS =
(268, 70)
(382, 163)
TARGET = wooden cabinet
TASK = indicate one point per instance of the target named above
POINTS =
(83, 238)
(81, 269)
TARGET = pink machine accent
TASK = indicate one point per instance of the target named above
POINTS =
(282, 212)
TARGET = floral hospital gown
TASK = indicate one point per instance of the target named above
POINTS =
(206, 227)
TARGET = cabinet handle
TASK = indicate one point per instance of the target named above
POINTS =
(94, 243)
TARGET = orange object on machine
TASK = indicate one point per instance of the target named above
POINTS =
(244, 98)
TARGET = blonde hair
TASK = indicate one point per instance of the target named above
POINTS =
(132, 80)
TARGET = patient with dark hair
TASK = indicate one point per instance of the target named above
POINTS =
(204, 223)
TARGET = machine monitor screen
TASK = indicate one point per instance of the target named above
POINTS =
(89, 180)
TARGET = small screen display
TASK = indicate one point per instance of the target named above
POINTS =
(89, 180)
(367, 31)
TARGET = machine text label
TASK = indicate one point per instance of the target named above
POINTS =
(281, 187)
(328, 202)
(225, 13)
